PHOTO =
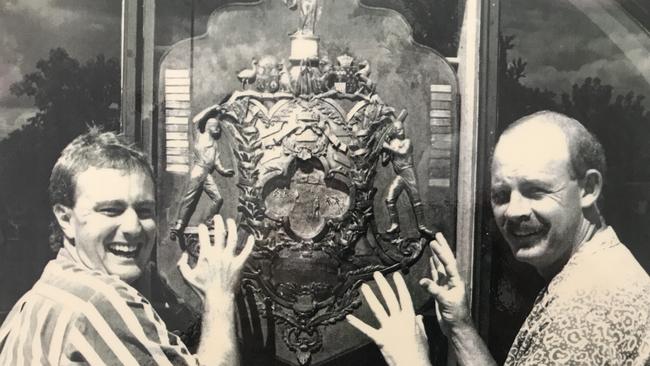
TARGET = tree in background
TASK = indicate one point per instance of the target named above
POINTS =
(69, 96)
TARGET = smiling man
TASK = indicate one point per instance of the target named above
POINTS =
(112, 229)
(544, 202)
(547, 177)
(83, 310)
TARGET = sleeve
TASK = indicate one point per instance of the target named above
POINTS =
(114, 332)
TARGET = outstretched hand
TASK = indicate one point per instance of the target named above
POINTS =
(446, 286)
(218, 268)
(400, 337)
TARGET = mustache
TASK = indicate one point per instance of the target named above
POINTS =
(522, 226)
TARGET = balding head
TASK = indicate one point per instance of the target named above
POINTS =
(585, 151)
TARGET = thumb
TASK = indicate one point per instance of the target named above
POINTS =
(433, 288)
(184, 267)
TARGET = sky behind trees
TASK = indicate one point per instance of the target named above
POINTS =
(29, 29)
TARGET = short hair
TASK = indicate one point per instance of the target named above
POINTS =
(94, 149)
(585, 151)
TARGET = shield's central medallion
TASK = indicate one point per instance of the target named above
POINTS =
(305, 199)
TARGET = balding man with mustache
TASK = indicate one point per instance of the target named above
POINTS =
(547, 176)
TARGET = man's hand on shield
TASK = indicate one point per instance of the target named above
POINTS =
(447, 287)
(217, 271)
(400, 337)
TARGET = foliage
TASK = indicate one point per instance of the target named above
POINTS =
(69, 96)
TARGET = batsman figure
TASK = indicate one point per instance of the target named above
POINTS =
(206, 160)
(399, 150)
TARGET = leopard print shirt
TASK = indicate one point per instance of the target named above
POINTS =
(596, 311)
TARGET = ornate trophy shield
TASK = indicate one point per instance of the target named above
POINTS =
(333, 180)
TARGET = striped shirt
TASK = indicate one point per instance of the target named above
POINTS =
(77, 316)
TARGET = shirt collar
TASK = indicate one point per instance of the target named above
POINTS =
(602, 239)
(68, 253)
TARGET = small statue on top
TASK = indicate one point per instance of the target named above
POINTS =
(310, 11)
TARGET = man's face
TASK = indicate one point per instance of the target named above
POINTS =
(113, 221)
(535, 201)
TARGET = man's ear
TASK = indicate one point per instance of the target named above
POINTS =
(63, 216)
(592, 187)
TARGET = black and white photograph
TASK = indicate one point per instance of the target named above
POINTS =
(324, 182)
